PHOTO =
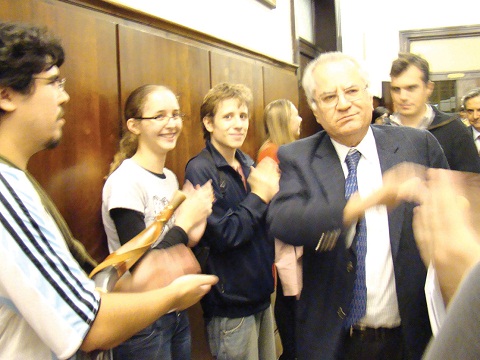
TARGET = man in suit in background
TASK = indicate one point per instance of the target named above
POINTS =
(314, 208)
(471, 106)
(410, 89)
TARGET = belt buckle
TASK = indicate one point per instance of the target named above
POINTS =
(357, 327)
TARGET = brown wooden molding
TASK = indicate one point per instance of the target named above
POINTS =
(407, 36)
(305, 47)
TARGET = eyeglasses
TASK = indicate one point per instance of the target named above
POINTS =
(353, 93)
(163, 118)
(58, 82)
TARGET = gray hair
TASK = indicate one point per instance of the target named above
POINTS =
(308, 81)
(470, 95)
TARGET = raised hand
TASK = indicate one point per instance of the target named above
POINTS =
(192, 215)
(444, 229)
(158, 268)
(264, 178)
(191, 288)
(403, 182)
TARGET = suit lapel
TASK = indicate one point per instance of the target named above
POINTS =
(327, 169)
(389, 150)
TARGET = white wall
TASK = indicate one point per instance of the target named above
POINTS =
(248, 23)
(304, 20)
(370, 28)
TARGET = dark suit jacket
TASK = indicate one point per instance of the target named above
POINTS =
(456, 141)
(311, 202)
(470, 131)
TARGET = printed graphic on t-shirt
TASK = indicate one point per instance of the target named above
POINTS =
(158, 205)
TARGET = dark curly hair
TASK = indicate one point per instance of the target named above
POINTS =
(26, 50)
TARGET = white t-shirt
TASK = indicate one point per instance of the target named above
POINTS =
(476, 138)
(47, 303)
(132, 187)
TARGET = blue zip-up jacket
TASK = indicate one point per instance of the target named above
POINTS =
(241, 252)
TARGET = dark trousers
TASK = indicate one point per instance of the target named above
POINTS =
(284, 311)
(373, 344)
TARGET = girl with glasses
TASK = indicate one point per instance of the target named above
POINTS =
(138, 188)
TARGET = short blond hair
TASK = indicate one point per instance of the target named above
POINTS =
(219, 93)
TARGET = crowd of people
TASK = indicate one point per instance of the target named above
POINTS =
(343, 224)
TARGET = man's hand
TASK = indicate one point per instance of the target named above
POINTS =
(443, 228)
(403, 182)
(264, 178)
(158, 268)
(192, 215)
(191, 288)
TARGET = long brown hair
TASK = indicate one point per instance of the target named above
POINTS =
(276, 120)
(134, 107)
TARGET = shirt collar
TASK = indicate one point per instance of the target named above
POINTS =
(219, 160)
(476, 133)
(367, 147)
(423, 124)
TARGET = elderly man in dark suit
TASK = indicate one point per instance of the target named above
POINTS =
(363, 294)
(471, 106)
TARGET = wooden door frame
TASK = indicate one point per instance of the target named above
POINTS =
(455, 32)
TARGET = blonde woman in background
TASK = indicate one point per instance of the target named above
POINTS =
(282, 126)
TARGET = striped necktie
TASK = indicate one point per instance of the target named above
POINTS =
(358, 305)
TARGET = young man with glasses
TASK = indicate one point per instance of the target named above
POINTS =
(362, 295)
(136, 191)
(49, 308)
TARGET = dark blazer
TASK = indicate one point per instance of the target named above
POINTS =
(240, 251)
(470, 131)
(310, 204)
(456, 141)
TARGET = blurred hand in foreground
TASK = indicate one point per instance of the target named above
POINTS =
(444, 229)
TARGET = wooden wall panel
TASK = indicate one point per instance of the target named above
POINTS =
(279, 84)
(73, 173)
(225, 68)
(111, 51)
(151, 59)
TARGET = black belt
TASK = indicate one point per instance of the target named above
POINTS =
(373, 334)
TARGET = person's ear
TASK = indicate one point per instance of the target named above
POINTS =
(133, 126)
(208, 123)
(314, 106)
(6, 100)
(430, 87)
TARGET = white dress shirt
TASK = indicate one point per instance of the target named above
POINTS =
(382, 304)
(476, 138)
